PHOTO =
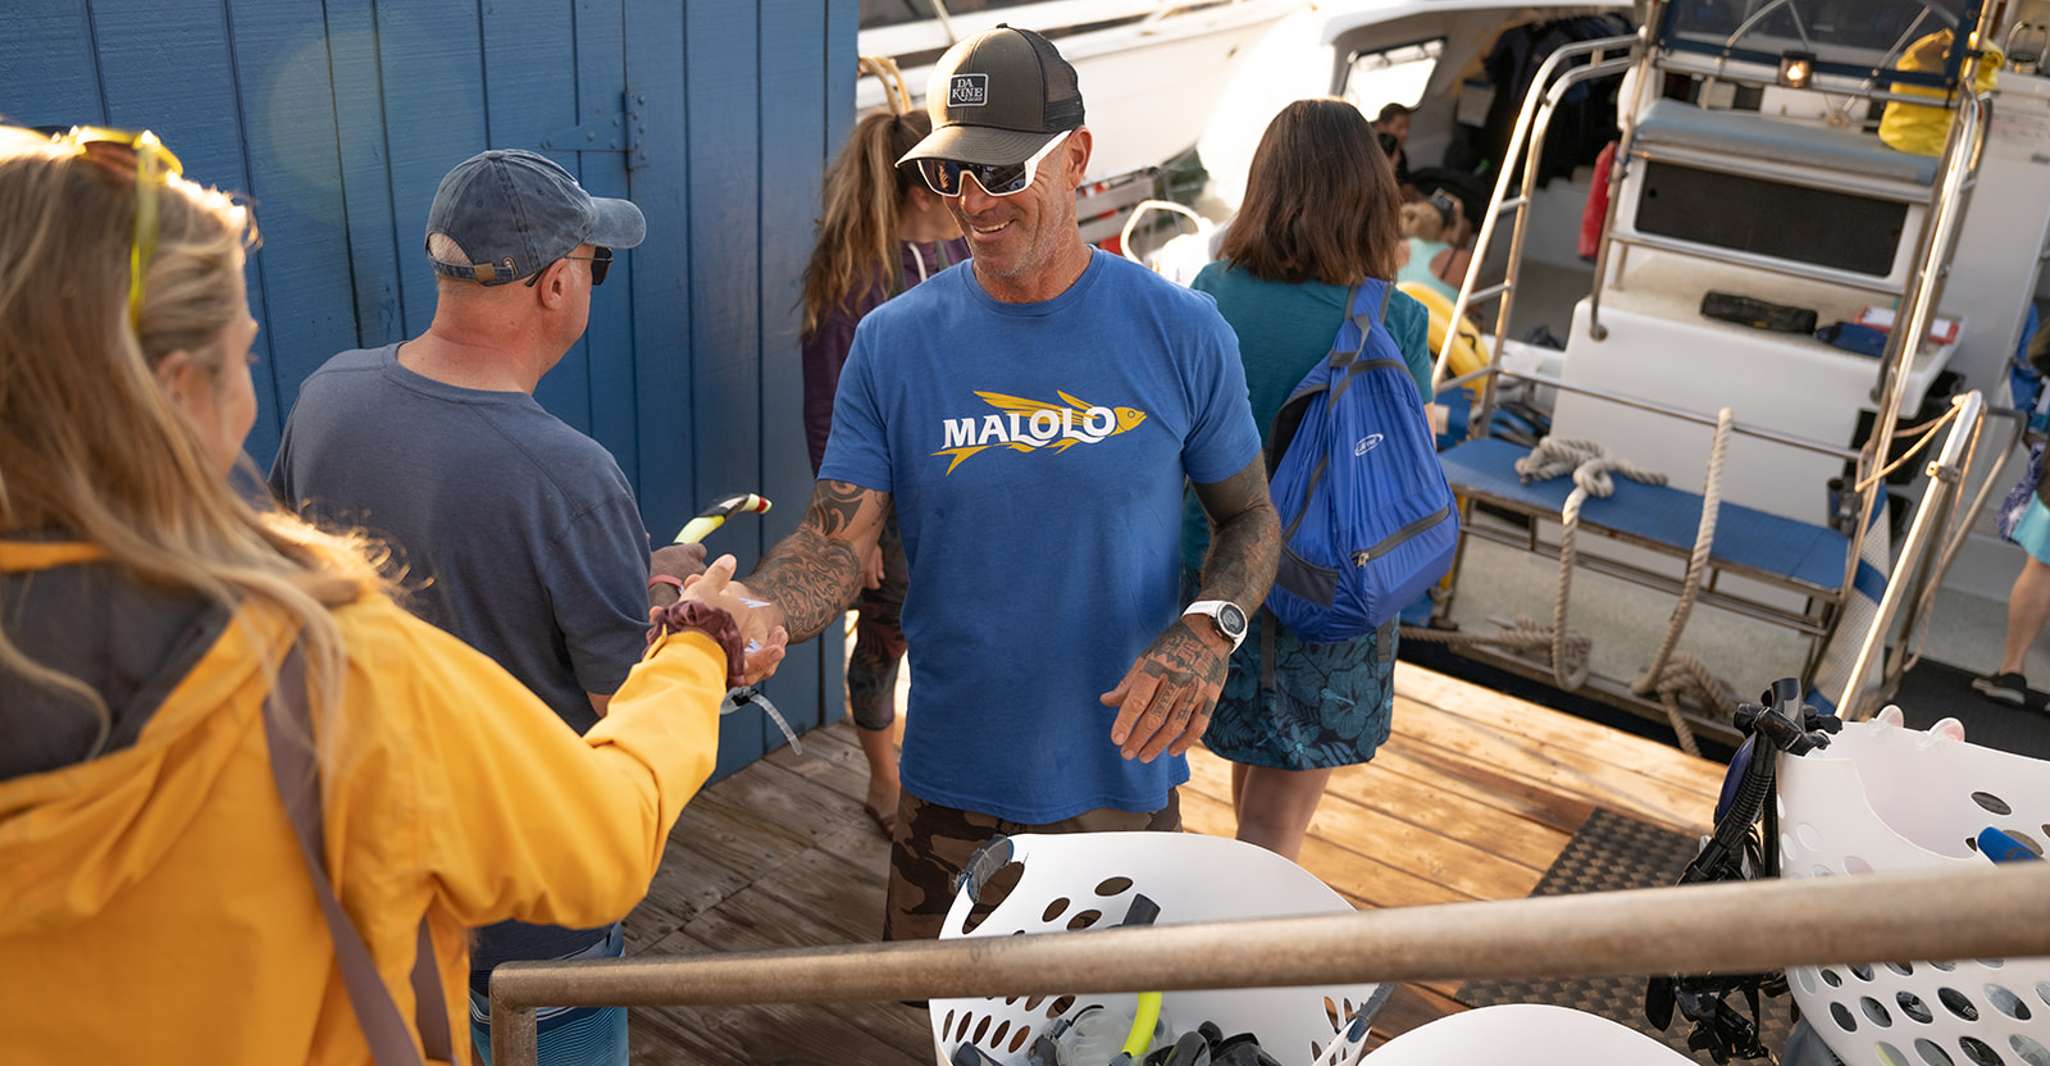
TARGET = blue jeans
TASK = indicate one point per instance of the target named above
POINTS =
(569, 1036)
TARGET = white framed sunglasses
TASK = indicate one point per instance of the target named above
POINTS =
(944, 176)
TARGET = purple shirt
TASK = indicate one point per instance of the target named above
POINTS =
(826, 347)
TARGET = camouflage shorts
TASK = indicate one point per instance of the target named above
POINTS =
(933, 843)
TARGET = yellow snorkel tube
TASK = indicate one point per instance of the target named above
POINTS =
(1140, 1040)
(711, 518)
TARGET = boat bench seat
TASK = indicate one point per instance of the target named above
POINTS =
(1746, 540)
(1749, 135)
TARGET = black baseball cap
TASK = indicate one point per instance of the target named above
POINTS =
(513, 212)
(998, 97)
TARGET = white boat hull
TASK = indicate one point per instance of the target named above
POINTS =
(1149, 86)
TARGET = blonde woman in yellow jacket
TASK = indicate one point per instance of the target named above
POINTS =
(173, 658)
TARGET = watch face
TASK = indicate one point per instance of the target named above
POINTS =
(1231, 619)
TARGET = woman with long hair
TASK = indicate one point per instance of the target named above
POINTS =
(242, 791)
(1319, 217)
(882, 231)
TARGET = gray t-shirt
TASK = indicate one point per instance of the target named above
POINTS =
(517, 533)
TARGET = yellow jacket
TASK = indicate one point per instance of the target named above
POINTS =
(153, 905)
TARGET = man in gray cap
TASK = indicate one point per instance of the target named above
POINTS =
(1032, 417)
(517, 533)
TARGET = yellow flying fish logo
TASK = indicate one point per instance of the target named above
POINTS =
(1030, 426)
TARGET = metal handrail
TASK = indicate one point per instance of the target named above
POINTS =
(1748, 260)
(1742, 429)
(1499, 202)
(1961, 155)
(1758, 926)
(1944, 475)
(1541, 124)
(1918, 613)
(1647, 63)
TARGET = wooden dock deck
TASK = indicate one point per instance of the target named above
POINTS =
(1472, 798)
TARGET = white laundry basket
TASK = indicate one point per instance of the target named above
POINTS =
(1525, 1034)
(1884, 798)
(1080, 881)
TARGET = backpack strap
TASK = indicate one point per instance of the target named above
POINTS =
(297, 777)
(1357, 300)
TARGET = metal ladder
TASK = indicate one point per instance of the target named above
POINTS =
(1948, 200)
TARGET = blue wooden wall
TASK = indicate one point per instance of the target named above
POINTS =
(336, 118)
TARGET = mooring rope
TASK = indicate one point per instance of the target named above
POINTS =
(1673, 674)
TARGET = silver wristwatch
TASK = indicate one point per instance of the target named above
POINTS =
(1228, 617)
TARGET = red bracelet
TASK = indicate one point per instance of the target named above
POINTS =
(712, 622)
(670, 580)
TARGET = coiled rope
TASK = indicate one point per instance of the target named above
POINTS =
(1672, 675)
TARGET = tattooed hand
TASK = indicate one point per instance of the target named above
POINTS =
(1165, 700)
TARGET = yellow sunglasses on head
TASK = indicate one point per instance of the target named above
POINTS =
(142, 157)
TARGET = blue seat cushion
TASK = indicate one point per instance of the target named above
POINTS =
(1767, 544)
(1751, 136)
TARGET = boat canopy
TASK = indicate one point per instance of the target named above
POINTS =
(1862, 39)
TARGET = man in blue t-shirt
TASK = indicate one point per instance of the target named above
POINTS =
(1032, 417)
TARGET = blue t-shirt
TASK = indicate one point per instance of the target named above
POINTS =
(1035, 455)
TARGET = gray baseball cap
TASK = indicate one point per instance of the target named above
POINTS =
(996, 98)
(513, 212)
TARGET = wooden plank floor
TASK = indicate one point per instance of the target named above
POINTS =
(1472, 799)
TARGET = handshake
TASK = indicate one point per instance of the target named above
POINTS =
(760, 622)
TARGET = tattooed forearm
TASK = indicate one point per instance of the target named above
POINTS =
(813, 574)
(1245, 540)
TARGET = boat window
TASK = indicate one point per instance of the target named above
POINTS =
(1860, 38)
(878, 13)
(968, 7)
(1396, 75)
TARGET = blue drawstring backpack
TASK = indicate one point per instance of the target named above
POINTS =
(1368, 522)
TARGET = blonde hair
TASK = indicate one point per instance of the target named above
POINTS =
(1421, 219)
(89, 445)
(863, 193)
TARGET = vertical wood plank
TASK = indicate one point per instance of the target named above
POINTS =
(377, 257)
(287, 102)
(201, 120)
(49, 75)
(842, 28)
(793, 61)
(431, 70)
(664, 404)
(609, 343)
(530, 79)
(722, 79)
(339, 117)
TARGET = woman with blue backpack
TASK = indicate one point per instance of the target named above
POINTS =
(1314, 243)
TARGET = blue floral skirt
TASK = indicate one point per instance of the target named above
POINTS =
(1320, 706)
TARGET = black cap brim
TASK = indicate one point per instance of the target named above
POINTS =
(984, 145)
(617, 224)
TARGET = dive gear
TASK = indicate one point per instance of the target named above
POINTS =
(1779, 723)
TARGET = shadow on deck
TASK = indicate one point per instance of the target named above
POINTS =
(1472, 798)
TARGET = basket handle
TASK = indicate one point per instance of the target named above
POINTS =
(983, 865)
